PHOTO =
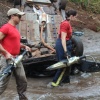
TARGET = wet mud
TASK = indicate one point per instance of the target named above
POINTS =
(80, 88)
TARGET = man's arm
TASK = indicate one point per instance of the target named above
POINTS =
(2, 50)
(25, 47)
(22, 45)
(1, 36)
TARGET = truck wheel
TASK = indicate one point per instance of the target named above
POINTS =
(77, 46)
(53, 1)
(17, 2)
(62, 4)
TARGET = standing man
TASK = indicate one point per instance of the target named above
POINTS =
(10, 47)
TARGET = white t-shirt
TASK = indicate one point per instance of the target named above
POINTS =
(40, 12)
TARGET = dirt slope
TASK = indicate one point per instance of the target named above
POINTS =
(85, 19)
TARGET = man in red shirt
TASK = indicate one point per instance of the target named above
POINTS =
(10, 47)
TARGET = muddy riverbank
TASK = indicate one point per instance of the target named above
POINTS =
(79, 88)
(91, 42)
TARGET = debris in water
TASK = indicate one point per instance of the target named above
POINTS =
(86, 75)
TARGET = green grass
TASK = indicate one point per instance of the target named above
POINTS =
(91, 5)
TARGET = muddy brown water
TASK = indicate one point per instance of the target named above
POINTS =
(80, 88)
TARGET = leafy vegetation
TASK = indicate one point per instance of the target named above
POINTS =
(90, 5)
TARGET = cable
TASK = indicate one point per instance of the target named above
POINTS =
(93, 59)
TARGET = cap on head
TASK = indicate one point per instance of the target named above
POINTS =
(13, 11)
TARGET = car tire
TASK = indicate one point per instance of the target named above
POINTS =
(53, 1)
(77, 46)
(17, 2)
(62, 4)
